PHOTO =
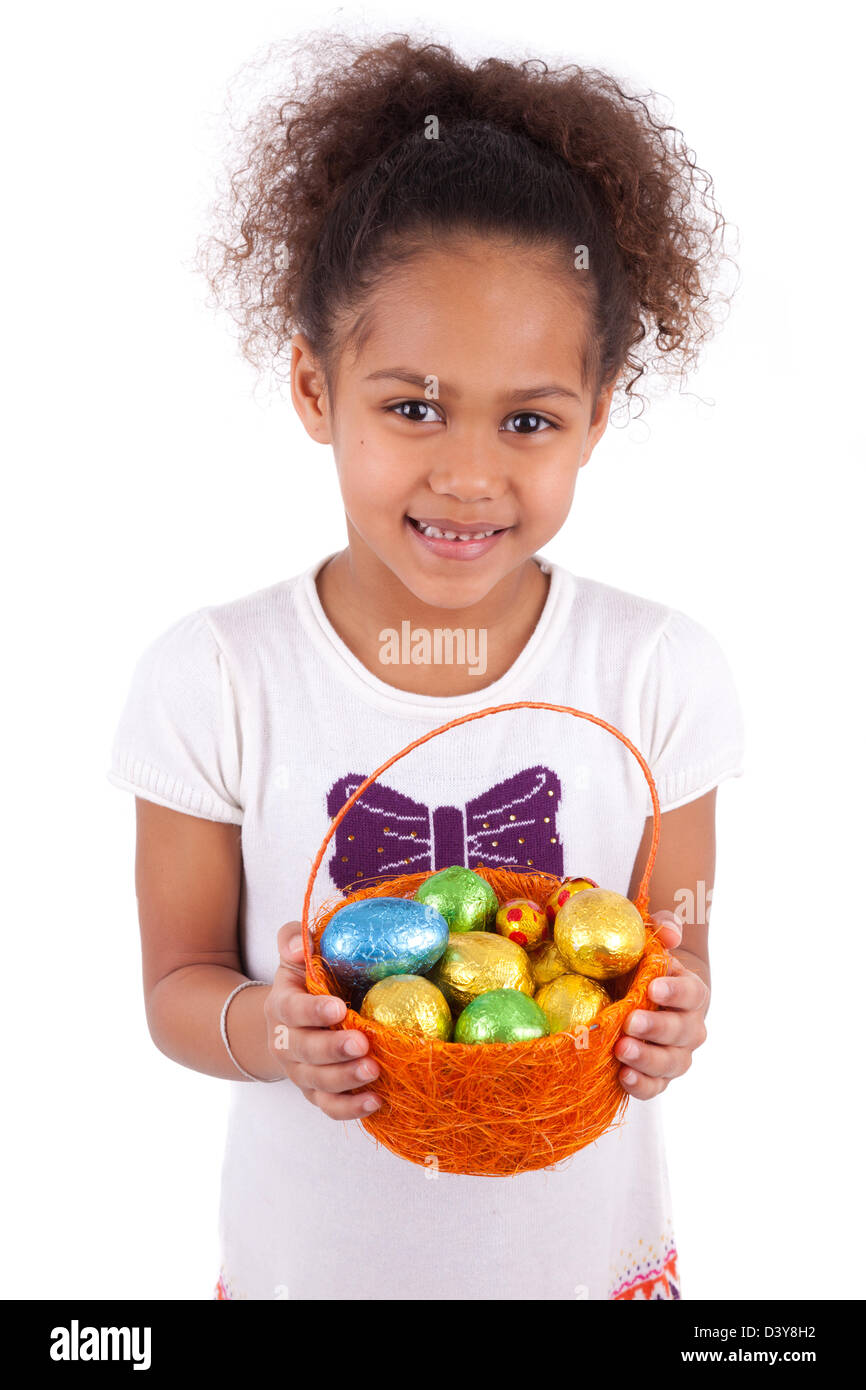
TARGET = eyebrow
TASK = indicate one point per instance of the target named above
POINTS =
(521, 393)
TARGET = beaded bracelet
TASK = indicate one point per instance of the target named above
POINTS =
(245, 984)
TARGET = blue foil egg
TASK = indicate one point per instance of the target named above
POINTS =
(376, 937)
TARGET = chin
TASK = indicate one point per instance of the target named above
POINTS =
(455, 594)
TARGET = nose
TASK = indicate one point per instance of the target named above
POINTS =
(468, 474)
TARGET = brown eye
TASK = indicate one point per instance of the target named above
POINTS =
(532, 423)
(403, 406)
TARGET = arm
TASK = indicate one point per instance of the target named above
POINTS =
(681, 887)
(187, 880)
(682, 881)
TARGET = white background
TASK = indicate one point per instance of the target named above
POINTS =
(146, 475)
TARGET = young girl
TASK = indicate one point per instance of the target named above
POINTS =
(464, 263)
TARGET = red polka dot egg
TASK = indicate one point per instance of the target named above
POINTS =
(522, 921)
(561, 895)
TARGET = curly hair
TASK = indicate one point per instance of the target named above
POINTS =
(339, 180)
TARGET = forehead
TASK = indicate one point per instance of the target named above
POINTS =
(477, 311)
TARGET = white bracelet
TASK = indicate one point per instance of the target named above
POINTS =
(245, 984)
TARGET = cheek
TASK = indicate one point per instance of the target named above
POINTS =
(547, 497)
(374, 479)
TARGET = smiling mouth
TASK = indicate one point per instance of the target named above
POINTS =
(477, 533)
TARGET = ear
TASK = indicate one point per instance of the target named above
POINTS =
(309, 392)
(598, 424)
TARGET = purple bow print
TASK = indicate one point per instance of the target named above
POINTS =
(387, 833)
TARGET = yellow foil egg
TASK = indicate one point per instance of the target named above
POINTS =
(474, 962)
(410, 1003)
(546, 963)
(599, 933)
(571, 1001)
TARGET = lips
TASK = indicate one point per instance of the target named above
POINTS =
(442, 539)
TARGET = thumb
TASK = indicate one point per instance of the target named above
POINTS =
(670, 931)
(290, 944)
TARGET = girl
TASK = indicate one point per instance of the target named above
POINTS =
(463, 264)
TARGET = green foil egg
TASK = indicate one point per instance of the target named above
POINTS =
(502, 1016)
(465, 899)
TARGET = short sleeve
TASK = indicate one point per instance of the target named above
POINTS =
(691, 715)
(178, 739)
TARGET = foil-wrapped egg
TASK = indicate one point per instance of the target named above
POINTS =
(374, 937)
(465, 899)
(571, 1001)
(411, 1004)
(546, 963)
(599, 933)
(474, 962)
(522, 920)
(501, 1015)
(560, 896)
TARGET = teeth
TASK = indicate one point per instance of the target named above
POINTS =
(436, 534)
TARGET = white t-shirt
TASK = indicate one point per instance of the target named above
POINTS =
(256, 713)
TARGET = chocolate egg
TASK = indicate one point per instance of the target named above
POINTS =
(410, 1003)
(501, 1015)
(522, 920)
(571, 1001)
(560, 896)
(599, 933)
(465, 899)
(372, 938)
(546, 963)
(474, 962)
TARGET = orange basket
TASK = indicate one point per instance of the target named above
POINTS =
(497, 1108)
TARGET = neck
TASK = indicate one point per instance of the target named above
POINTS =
(363, 599)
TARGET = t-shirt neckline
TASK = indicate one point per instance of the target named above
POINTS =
(528, 662)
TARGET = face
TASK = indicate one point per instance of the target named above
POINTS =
(460, 425)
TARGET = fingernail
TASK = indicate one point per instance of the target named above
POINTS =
(660, 989)
(370, 1105)
(366, 1071)
(638, 1023)
(629, 1077)
(630, 1049)
(331, 1010)
(354, 1046)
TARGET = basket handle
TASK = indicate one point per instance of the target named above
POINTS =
(642, 899)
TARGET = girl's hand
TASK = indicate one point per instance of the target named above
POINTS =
(664, 1040)
(315, 1057)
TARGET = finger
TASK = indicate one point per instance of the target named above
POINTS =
(682, 989)
(340, 1076)
(318, 1047)
(641, 1087)
(338, 1107)
(289, 933)
(651, 1059)
(669, 1027)
(298, 1009)
(670, 931)
(291, 978)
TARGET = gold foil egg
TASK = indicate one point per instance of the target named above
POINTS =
(599, 933)
(560, 896)
(410, 1003)
(522, 920)
(474, 962)
(546, 963)
(571, 1001)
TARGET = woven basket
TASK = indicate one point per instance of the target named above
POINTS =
(497, 1108)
